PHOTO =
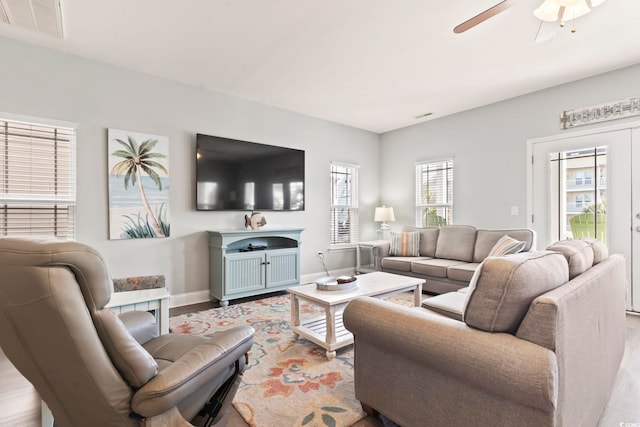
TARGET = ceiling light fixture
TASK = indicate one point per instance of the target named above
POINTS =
(564, 10)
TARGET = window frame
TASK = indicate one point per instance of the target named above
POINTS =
(419, 188)
(352, 207)
(22, 135)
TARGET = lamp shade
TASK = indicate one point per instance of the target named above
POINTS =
(548, 11)
(384, 214)
(553, 10)
(576, 10)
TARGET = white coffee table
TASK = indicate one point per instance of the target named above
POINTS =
(328, 331)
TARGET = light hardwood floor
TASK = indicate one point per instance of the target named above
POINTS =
(20, 404)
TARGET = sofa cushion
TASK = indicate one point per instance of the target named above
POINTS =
(506, 246)
(487, 239)
(579, 255)
(428, 239)
(399, 263)
(503, 288)
(600, 250)
(456, 242)
(405, 244)
(463, 272)
(433, 267)
(449, 304)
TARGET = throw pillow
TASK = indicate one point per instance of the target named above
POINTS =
(501, 293)
(600, 250)
(507, 245)
(405, 244)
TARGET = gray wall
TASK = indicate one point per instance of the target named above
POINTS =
(488, 145)
(48, 84)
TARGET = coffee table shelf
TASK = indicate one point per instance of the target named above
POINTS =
(328, 331)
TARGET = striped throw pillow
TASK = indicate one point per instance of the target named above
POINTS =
(507, 245)
(405, 244)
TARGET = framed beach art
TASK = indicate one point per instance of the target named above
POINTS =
(138, 185)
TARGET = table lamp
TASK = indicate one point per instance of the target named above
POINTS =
(384, 214)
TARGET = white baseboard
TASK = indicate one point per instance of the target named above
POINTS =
(189, 298)
(179, 300)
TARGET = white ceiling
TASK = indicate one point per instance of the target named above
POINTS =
(370, 64)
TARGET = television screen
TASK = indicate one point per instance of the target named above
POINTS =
(242, 175)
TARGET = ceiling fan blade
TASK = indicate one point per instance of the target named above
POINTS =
(546, 31)
(481, 17)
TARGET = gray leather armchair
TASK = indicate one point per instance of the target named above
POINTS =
(92, 367)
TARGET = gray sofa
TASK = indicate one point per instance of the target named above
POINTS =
(540, 345)
(449, 255)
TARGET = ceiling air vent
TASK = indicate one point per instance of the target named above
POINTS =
(43, 16)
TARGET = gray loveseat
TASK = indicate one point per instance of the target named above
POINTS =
(540, 345)
(448, 255)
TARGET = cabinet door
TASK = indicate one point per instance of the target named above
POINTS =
(244, 272)
(283, 267)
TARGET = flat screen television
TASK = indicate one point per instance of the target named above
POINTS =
(242, 175)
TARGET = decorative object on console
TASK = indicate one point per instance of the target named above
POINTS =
(384, 214)
(138, 160)
(255, 221)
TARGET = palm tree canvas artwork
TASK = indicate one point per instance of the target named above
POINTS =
(138, 185)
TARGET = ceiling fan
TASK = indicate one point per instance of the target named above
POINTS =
(483, 16)
(549, 11)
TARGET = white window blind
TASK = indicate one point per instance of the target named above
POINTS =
(37, 180)
(434, 193)
(344, 204)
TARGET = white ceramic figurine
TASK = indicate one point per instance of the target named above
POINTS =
(255, 221)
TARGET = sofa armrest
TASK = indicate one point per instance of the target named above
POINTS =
(380, 250)
(140, 324)
(494, 363)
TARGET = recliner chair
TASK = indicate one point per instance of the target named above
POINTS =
(90, 366)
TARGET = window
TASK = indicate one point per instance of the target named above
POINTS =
(588, 177)
(344, 204)
(434, 193)
(37, 180)
(579, 208)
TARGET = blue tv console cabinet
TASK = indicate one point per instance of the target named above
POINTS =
(251, 262)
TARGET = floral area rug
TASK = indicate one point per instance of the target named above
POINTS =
(286, 383)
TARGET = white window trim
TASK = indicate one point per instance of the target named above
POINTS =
(71, 197)
(418, 206)
(353, 205)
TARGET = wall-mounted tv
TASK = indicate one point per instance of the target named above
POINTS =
(242, 175)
